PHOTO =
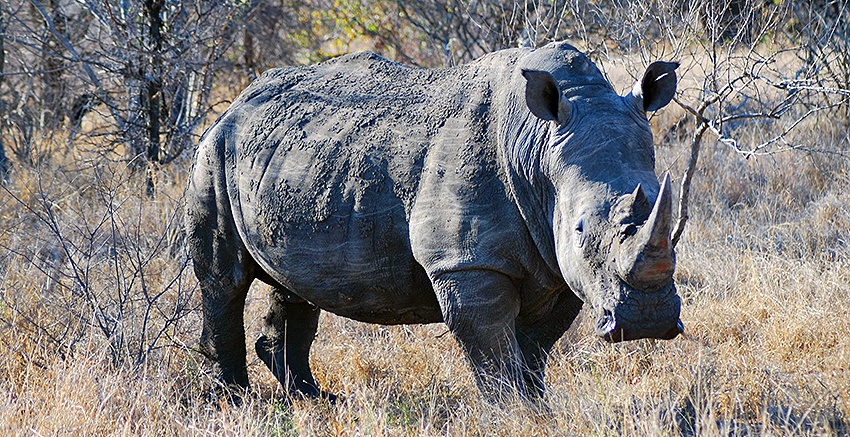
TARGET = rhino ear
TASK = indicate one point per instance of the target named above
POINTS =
(543, 97)
(658, 85)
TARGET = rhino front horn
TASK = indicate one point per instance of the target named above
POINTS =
(655, 234)
(647, 263)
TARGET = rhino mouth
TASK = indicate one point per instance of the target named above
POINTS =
(612, 333)
(642, 315)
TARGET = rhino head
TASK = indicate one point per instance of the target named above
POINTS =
(618, 256)
(610, 217)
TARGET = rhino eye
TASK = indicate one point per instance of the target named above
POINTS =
(579, 233)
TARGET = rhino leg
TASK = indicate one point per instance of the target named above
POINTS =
(223, 267)
(290, 327)
(536, 339)
(224, 274)
(479, 308)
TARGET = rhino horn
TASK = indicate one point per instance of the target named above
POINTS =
(640, 204)
(649, 260)
(655, 233)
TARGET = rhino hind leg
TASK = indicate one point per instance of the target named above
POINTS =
(225, 272)
(223, 337)
(290, 327)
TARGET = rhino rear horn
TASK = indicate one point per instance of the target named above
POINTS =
(648, 261)
(640, 206)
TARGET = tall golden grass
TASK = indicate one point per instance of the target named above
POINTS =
(99, 319)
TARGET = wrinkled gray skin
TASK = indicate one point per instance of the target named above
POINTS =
(496, 197)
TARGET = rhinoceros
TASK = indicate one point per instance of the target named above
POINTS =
(496, 197)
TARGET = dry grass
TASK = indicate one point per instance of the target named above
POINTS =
(99, 320)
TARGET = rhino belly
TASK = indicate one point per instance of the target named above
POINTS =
(338, 236)
(354, 266)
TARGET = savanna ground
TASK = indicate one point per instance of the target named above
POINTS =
(99, 313)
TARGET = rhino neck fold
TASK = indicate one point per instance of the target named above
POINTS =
(522, 140)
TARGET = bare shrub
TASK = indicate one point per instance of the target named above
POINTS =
(90, 259)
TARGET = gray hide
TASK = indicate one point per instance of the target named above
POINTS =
(495, 197)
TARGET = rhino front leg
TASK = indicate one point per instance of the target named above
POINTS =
(479, 308)
(290, 327)
(536, 339)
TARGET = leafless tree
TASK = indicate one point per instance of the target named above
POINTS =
(4, 162)
(146, 66)
(109, 274)
(759, 73)
(160, 57)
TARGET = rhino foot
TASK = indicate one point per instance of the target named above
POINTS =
(296, 379)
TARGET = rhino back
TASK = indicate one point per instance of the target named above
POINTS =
(324, 168)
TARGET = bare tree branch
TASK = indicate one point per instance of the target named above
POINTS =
(75, 56)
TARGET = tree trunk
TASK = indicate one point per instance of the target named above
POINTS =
(4, 163)
(152, 98)
(248, 45)
(152, 92)
(52, 95)
(685, 191)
